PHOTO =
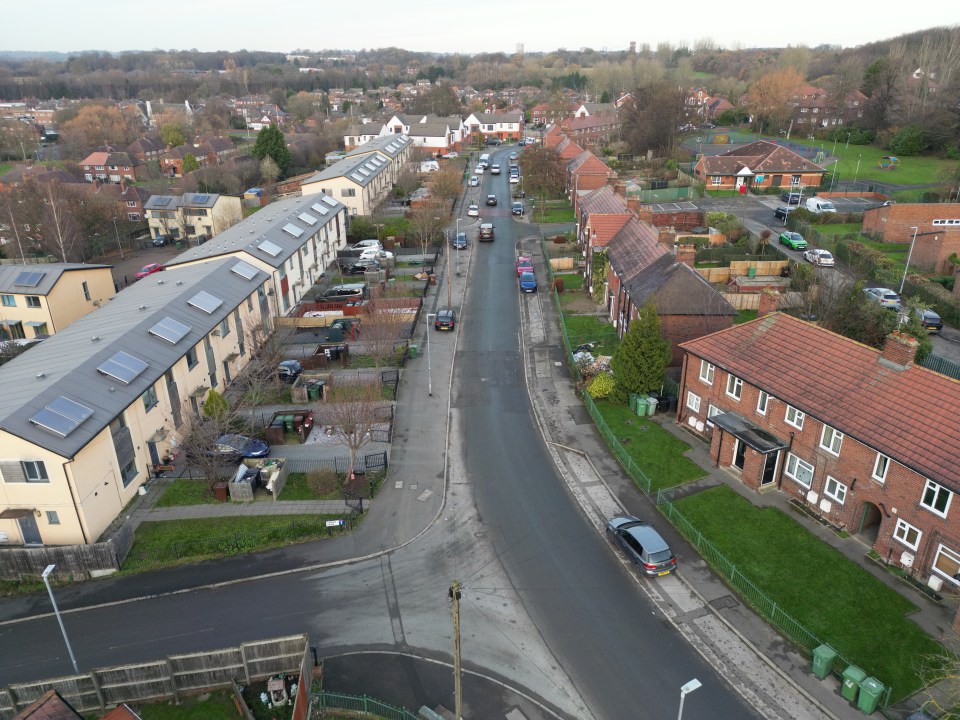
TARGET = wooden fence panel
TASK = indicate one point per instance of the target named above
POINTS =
(78, 690)
(134, 683)
(102, 558)
(198, 671)
(263, 659)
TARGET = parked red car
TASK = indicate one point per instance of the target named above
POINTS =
(149, 270)
(524, 264)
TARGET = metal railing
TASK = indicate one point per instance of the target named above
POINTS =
(360, 703)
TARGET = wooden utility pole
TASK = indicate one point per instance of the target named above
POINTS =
(454, 593)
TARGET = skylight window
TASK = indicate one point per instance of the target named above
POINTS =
(123, 367)
(170, 330)
(205, 301)
(270, 248)
(291, 229)
(61, 416)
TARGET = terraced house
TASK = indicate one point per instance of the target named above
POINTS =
(86, 414)
(860, 437)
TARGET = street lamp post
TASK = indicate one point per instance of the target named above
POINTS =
(686, 690)
(56, 611)
(909, 255)
(117, 233)
(857, 173)
(430, 317)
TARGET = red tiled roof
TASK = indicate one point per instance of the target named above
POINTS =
(49, 706)
(761, 157)
(909, 415)
(568, 149)
(604, 227)
(586, 163)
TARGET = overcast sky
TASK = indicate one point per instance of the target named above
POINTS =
(444, 26)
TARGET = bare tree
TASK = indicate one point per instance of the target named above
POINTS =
(544, 173)
(353, 413)
(768, 98)
(651, 116)
(426, 222)
(446, 183)
(60, 231)
(382, 330)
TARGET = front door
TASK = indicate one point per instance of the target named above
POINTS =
(29, 530)
(769, 469)
(739, 454)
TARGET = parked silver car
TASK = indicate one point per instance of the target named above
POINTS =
(644, 545)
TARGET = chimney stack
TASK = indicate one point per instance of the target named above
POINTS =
(686, 254)
(899, 350)
(769, 299)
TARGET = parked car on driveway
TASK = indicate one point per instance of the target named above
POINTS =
(289, 370)
(819, 257)
(643, 545)
(162, 240)
(783, 211)
(235, 447)
(362, 266)
(446, 319)
(528, 282)
(473, 211)
(375, 254)
(885, 297)
(790, 198)
(148, 270)
(793, 240)
(517, 209)
(930, 320)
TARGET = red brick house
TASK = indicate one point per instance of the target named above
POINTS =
(937, 226)
(758, 165)
(110, 167)
(863, 438)
(594, 129)
(567, 149)
(644, 270)
(587, 172)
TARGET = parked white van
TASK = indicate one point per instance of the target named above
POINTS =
(429, 166)
(820, 205)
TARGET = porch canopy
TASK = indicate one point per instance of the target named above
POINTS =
(755, 437)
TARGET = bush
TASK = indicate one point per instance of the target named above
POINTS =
(857, 136)
(911, 140)
(558, 284)
(601, 386)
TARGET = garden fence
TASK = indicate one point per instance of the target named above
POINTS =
(942, 366)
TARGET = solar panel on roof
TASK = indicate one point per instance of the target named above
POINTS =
(244, 270)
(370, 166)
(329, 201)
(307, 218)
(357, 176)
(319, 208)
(205, 301)
(200, 199)
(162, 201)
(61, 416)
(270, 248)
(291, 229)
(29, 278)
(123, 366)
(364, 172)
(173, 331)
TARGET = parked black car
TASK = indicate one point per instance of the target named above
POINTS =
(289, 370)
(361, 266)
(782, 211)
(790, 198)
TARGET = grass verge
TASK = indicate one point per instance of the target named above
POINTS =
(214, 706)
(656, 452)
(838, 601)
(186, 492)
(180, 542)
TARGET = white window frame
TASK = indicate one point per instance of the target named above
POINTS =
(737, 392)
(706, 372)
(944, 550)
(936, 488)
(693, 401)
(797, 462)
(835, 490)
(716, 180)
(902, 531)
(834, 442)
(882, 477)
(711, 411)
(798, 417)
(35, 471)
(763, 399)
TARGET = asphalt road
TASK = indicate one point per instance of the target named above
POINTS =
(618, 651)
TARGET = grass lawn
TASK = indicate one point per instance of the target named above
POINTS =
(895, 251)
(554, 211)
(838, 228)
(215, 706)
(186, 492)
(571, 281)
(743, 316)
(180, 542)
(5, 168)
(589, 328)
(841, 603)
(655, 451)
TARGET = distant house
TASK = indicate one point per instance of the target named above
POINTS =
(110, 167)
(588, 109)
(40, 300)
(937, 228)
(586, 172)
(146, 148)
(502, 126)
(761, 164)
(192, 216)
(813, 107)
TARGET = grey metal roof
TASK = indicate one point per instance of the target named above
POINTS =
(360, 169)
(65, 365)
(389, 145)
(13, 278)
(275, 223)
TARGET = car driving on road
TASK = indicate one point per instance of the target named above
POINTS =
(491, 199)
(486, 232)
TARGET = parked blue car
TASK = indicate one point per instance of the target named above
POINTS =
(528, 282)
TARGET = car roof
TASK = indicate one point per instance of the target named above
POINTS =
(446, 312)
(527, 275)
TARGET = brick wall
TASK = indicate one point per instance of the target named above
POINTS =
(895, 223)
(681, 328)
